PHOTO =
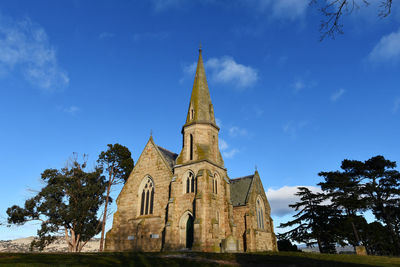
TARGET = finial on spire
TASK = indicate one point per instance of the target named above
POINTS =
(151, 132)
(255, 167)
(200, 49)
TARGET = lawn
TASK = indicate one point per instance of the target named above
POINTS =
(283, 259)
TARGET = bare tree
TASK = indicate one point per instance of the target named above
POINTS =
(333, 10)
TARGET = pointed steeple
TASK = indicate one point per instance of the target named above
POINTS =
(200, 106)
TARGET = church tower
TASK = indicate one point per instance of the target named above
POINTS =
(200, 132)
(187, 201)
(200, 214)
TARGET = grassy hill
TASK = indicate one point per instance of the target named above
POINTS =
(282, 259)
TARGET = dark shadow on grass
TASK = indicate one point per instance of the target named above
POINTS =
(195, 259)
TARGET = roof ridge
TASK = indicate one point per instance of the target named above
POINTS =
(166, 149)
(242, 177)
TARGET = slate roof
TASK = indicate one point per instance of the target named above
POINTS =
(169, 156)
(240, 188)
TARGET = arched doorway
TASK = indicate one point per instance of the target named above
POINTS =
(189, 232)
(186, 230)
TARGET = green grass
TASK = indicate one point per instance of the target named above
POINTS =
(283, 259)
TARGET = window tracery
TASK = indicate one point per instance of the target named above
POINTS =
(190, 183)
(260, 213)
(147, 197)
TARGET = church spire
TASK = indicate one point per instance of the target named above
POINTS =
(200, 108)
(200, 133)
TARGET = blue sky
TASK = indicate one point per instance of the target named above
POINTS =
(78, 75)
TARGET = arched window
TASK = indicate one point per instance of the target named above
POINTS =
(190, 183)
(260, 213)
(147, 196)
(192, 114)
(191, 147)
(215, 183)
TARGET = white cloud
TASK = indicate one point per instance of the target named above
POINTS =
(396, 105)
(236, 131)
(71, 110)
(223, 145)
(190, 69)
(106, 35)
(387, 49)
(279, 199)
(226, 152)
(229, 154)
(298, 85)
(280, 9)
(292, 128)
(218, 122)
(25, 47)
(339, 93)
(291, 9)
(227, 71)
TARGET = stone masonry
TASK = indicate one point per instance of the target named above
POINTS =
(187, 201)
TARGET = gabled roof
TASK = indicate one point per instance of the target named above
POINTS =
(169, 156)
(240, 188)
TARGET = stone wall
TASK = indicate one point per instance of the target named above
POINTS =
(205, 144)
(130, 230)
(239, 215)
(210, 210)
(262, 239)
(215, 217)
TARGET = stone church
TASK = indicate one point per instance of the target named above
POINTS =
(187, 201)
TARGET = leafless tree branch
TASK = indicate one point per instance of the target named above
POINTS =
(333, 11)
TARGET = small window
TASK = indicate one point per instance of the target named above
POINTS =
(191, 147)
(190, 183)
(215, 180)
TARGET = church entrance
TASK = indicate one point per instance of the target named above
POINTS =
(189, 232)
(186, 230)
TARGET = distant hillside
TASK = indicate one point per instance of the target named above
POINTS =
(23, 244)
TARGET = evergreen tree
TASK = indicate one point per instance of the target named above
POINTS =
(118, 164)
(345, 192)
(377, 239)
(286, 245)
(314, 223)
(380, 190)
(68, 205)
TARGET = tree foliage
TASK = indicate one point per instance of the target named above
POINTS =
(360, 186)
(286, 245)
(314, 222)
(67, 204)
(118, 164)
(380, 190)
(344, 191)
(377, 239)
(333, 11)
